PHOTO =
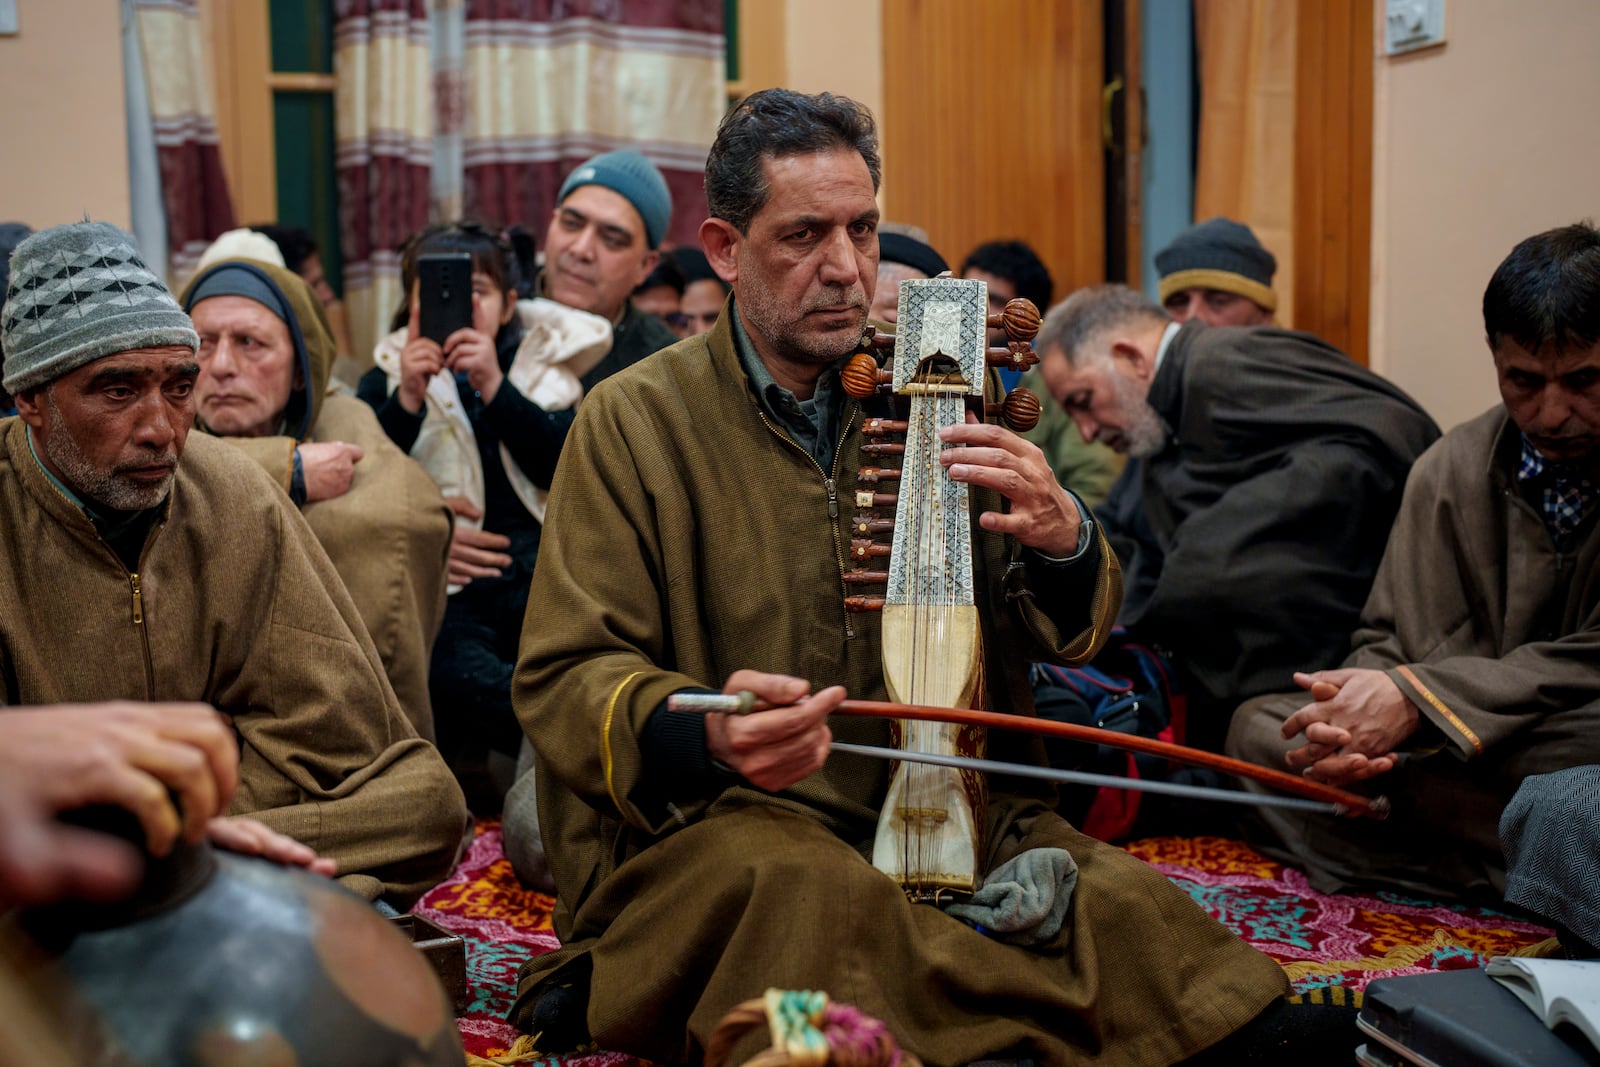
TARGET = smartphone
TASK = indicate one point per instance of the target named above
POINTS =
(444, 281)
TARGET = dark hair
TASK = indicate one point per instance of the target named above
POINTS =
(295, 244)
(1018, 264)
(524, 256)
(1547, 291)
(490, 254)
(666, 273)
(775, 123)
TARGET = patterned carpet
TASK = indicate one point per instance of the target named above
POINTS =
(1330, 946)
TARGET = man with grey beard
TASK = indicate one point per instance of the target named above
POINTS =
(1273, 467)
(140, 563)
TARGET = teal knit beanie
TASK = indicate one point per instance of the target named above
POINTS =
(633, 177)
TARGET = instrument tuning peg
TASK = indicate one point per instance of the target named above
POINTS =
(1020, 412)
(860, 376)
(863, 376)
(883, 427)
(882, 448)
(1020, 320)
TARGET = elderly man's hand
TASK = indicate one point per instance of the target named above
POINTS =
(774, 749)
(1042, 515)
(328, 468)
(474, 553)
(55, 759)
(1356, 720)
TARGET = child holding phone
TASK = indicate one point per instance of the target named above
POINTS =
(485, 412)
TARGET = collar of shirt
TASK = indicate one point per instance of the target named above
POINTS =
(812, 423)
(1166, 341)
(1564, 496)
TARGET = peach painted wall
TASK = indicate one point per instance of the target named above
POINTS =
(63, 134)
(821, 58)
(1478, 143)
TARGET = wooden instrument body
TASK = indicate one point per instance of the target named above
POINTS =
(930, 833)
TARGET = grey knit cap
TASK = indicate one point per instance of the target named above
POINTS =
(78, 293)
(1218, 254)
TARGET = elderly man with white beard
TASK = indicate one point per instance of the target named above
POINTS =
(1273, 471)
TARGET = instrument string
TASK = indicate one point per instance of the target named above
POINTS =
(933, 498)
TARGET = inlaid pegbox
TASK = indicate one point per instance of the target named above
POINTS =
(941, 316)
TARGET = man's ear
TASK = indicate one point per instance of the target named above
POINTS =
(30, 406)
(1132, 359)
(721, 239)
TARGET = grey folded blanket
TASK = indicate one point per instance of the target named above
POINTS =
(1024, 900)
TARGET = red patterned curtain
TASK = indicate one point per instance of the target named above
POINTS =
(194, 192)
(384, 128)
(550, 83)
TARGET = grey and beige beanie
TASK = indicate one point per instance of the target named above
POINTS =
(78, 293)
(1218, 254)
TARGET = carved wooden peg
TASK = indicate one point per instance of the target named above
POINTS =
(1020, 412)
(1020, 320)
(872, 475)
(863, 603)
(1017, 355)
(883, 427)
(866, 524)
(882, 448)
(863, 549)
(860, 376)
(862, 576)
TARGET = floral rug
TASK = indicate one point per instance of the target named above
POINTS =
(1330, 946)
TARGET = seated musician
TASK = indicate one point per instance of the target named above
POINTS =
(141, 562)
(1273, 468)
(1477, 659)
(266, 355)
(693, 544)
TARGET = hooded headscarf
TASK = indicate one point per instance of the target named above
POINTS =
(286, 295)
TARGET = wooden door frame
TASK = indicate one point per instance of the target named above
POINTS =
(1335, 57)
(241, 71)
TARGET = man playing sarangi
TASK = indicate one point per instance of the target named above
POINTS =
(695, 539)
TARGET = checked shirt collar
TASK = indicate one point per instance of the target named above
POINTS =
(1565, 497)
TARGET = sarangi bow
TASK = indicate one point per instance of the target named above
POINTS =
(1306, 794)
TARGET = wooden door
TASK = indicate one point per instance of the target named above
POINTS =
(992, 127)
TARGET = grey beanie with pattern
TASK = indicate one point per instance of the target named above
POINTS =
(78, 293)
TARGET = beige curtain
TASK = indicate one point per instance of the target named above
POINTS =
(194, 191)
(549, 85)
(384, 128)
(1245, 164)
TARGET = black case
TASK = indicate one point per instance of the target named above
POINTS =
(1458, 1019)
(444, 282)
